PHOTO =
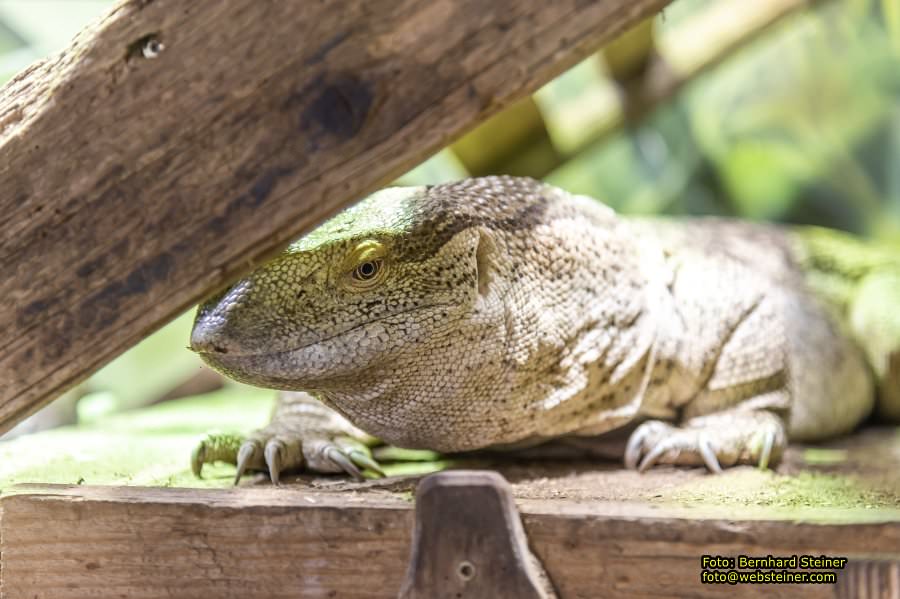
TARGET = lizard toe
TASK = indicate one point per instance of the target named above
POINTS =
(249, 456)
(766, 445)
(343, 462)
(708, 455)
(282, 453)
(643, 439)
(365, 460)
(273, 460)
(714, 441)
(216, 447)
(765, 454)
(341, 455)
(277, 452)
(683, 448)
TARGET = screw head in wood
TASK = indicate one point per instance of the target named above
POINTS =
(152, 48)
(466, 570)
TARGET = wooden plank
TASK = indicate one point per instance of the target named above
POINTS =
(175, 144)
(67, 542)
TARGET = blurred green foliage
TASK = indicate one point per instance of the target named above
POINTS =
(147, 447)
(801, 125)
(33, 29)
(146, 372)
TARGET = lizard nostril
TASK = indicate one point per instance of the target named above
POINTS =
(207, 347)
(207, 337)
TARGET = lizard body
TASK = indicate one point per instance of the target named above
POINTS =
(502, 312)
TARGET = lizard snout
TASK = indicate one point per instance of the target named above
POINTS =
(206, 338)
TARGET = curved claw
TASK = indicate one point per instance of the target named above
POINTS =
(246, 453)
(363, 460)
(651, 458)
(335, 455)
(765, 453)
(272, 455)
(708, 455)
(635, 448)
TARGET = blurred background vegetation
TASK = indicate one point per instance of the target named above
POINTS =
(784, 110)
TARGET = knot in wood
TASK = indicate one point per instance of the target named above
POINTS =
(338, 109)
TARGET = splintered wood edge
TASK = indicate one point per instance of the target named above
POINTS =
(70, 541)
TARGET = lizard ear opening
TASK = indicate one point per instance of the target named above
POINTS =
(484, 262)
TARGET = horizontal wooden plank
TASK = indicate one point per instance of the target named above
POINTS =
(70, 541)
(175, 144)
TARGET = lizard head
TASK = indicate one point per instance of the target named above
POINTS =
(423, 314)
(360, 296)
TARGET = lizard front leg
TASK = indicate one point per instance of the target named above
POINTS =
(303, 433)
(715, 440)
(732, 363)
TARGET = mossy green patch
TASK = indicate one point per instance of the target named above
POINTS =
(151, 446)
(823, 456)
(801, 491)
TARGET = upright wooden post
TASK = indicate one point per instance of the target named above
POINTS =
(469, 542)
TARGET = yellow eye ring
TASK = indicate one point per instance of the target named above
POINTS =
(365, 266)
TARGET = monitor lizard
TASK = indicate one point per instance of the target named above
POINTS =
(504, 312)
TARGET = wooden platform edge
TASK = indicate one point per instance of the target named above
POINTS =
(63, 542)
(173, 145)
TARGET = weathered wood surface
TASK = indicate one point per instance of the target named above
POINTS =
(174, 144)
(468, 541)
(68, 542)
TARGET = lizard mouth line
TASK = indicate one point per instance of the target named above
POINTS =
(226, 355)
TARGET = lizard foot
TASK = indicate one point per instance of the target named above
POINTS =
(717, 440)
(277, 453)
(304, 434)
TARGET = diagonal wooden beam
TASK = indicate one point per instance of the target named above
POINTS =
(176, 143)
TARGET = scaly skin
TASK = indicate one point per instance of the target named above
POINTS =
(501, 312)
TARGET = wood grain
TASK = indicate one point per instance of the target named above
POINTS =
(130, 187)
(468, 541)
(108, 542)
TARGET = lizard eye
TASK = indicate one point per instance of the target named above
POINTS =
(365, 266)
(367, 270)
